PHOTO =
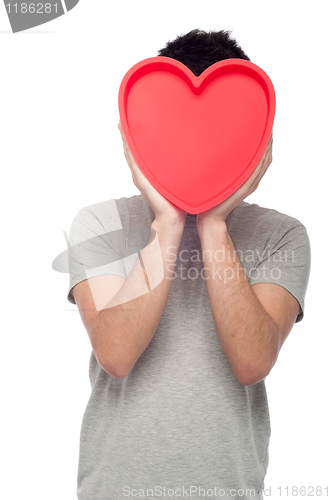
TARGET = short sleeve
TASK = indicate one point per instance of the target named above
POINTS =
(286, 263)
(93, 251)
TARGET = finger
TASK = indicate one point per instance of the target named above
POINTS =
(122, 134)
(257, 180)
(126, 148)
(270, 144)
(253, 180)
(266, 158)
(268, 148)
(129, 157)
(263, 170)
(120, 129)
(256, 183)
(254, 175)
(136, 171)
(251, 185)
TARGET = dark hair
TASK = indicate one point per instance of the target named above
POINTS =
(199, 49)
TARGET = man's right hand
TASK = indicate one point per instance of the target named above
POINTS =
(164, 210)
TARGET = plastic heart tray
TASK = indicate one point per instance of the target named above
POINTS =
(196, 139)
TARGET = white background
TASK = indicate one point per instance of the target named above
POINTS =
(61, 150)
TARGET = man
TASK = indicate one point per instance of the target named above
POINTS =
(186, 316)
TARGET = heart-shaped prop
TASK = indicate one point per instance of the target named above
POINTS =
(196, 139)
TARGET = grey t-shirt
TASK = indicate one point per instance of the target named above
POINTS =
(179, 425)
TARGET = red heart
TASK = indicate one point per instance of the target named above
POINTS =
(196, 139)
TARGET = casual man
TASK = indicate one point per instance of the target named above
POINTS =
(186, 316)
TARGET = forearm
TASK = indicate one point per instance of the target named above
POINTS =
(245, 330)
(126, 326)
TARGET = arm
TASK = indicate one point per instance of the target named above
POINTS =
(251, 326)
(124, 328)
(252, 322)
(122, 331)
